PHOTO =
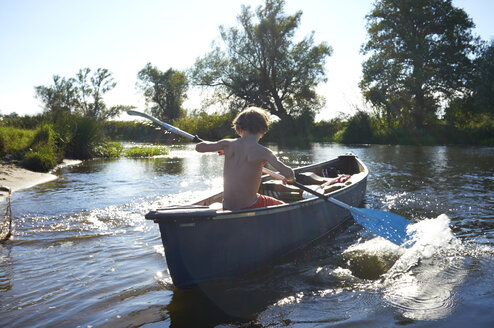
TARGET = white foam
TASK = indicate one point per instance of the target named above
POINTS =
(422, 280)
(431, 235)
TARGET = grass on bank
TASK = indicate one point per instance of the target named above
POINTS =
(114, 149)
(43, 148)
(14, 140)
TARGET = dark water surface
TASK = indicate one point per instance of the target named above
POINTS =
(83, 255)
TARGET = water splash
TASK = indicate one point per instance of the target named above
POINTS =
(419, 278)
(422, 281)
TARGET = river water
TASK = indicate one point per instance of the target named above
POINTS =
(82, 254)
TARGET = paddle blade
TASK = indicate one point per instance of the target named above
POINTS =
(385, 224)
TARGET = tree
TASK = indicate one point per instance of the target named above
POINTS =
(90, 91)
(483, 82)
(60, 97)
(420, 54)
(81, 95)
(164, 92)
(261, 65)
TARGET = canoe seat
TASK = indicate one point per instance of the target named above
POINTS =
(276, 189)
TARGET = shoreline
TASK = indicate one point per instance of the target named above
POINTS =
(16, 178)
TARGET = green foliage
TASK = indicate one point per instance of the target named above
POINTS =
(478, 130)
(115, 149)
(358, 129)
(84, 138)
(14, 141)
(60, 97)
(145, 151)
(291, 131)
(482, 99)
(90, 93)
(208, 126)
(420, 54)
(41, 160)
(82, 95)
(366, 128)
(23, 122)
(164, 92)
(262, 65)
(326, 130)
(109, 149)
(43, 154)
(134, 131)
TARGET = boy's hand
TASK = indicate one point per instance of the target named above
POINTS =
(221, 152)
(289, 180)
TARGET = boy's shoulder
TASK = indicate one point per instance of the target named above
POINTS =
(227, 141)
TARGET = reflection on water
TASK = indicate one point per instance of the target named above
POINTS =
(83, 254)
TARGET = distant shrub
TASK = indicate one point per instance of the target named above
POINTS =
(110, 149)
(24, 122)
(207, 126)
(41, 160)
(145, 151)
(358, 129)
(15, 141)
(43, 153)
(326, 130)
(134, 131)
(84, 138)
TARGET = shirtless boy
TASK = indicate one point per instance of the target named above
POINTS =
(244, 160)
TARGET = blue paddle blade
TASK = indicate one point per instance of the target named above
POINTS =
(387, 225)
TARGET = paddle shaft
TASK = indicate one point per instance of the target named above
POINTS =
(167, 126)
(309, 190)
(385, 224)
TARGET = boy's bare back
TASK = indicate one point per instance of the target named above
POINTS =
(244, 160)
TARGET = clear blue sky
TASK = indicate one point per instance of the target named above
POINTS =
(39, 39)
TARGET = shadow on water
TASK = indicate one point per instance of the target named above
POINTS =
(209, 306)
(236, 302)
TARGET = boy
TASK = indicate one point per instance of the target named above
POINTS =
(244, 160)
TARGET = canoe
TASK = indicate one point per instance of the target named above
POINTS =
(204, 243)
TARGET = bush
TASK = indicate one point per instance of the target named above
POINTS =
(327, 130)
(109, 150)
(134, 131)
(86, 136)
(145, 151)
(23, 122)
(358, 129)
(41, 160)
(43, 154)
(15, 141)
(207, 126)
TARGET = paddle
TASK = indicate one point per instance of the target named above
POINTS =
(167, 126)
(388, 225)
(385, 224)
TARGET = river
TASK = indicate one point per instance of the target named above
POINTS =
(82, 254)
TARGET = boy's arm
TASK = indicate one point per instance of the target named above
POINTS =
(285, 170)
(211, 146)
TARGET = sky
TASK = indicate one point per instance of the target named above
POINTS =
(40, 39)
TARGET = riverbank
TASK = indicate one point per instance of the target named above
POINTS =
(16, 177)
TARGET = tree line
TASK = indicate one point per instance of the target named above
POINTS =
(426, 78)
